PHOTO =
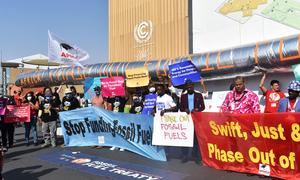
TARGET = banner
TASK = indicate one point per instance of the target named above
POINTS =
(113, 86)
(173, 129)
(150, 101)
(266, 144)
(89, 84)
(16, 113)
(3, 102)
(137, 77)
(182, 71)
(63, 52)
(95, 126)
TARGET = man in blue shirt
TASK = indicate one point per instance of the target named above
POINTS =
(191, 101)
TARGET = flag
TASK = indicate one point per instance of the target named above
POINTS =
(63, 52)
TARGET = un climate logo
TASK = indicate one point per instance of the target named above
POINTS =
(143, 31)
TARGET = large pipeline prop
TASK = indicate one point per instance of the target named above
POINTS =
(213, 65)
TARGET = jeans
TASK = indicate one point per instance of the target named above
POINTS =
(49, 132)
(195, 149)
(31, 125)
(7, 129)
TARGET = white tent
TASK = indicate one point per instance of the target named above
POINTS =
(34, 61)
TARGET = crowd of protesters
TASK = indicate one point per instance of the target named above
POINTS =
(46, 105)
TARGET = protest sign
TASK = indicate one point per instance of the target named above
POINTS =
(266, 144)
(137, 77)
(182, 71)
(150, 101)
(96, 126)
(3, 102)
(173, 129)
(89, 84)
(15, 113)
(113, 86)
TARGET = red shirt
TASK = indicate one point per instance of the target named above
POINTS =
(272, 100)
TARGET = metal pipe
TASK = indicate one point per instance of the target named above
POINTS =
(213, 65)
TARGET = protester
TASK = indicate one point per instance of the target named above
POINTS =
(137, 104)
(98, 100)
(240, 100)
(34, 106)
(74, 91)
(272, 96)
(164, 102)
(291, 103)
(7, 129)
(118, 104)
(48, 113)
(69, 101)
(150, 100)
(191, 101)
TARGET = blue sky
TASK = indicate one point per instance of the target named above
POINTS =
(24, 26)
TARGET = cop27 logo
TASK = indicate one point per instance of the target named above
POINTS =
(143, 31)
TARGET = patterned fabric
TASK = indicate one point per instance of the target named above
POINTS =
(247, 102)
(294, 85)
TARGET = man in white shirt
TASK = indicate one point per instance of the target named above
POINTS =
(164, 102)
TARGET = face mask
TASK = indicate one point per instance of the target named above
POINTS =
(48, 98)
(152, 89)
(137, 99)
(47, 106)
(97, 93)
(117, 104)
(67, 103)
(138, 109)
(29, 98)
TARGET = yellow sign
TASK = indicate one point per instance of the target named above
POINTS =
(246, 7)
(137, 77)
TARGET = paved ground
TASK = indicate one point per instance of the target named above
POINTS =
(21, 163)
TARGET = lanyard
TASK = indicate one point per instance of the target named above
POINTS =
(292, 109)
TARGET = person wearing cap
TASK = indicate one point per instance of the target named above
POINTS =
(69, 101)
(291, 103)
(240, 100)
(98, 100)
(272, 96)
(191, 101)
(48, 114)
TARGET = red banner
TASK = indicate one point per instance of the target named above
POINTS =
(266, 144)
(113, 86)
(16, 113)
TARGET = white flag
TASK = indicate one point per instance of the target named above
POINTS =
(63, 52)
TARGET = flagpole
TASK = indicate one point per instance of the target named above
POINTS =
(1, 73)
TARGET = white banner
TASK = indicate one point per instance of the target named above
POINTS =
(63, 52)
(173, 129)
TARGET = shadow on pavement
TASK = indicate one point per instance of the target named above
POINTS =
(27, 173)
(19, 153)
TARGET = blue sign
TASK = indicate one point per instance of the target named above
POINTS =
(182, 71)
(89, 85)
(150, 100)
(95, 126)
(111, 169)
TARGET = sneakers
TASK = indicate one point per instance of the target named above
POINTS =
(45, 145)
(53, 144)
(4, 149)
(113, 148)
